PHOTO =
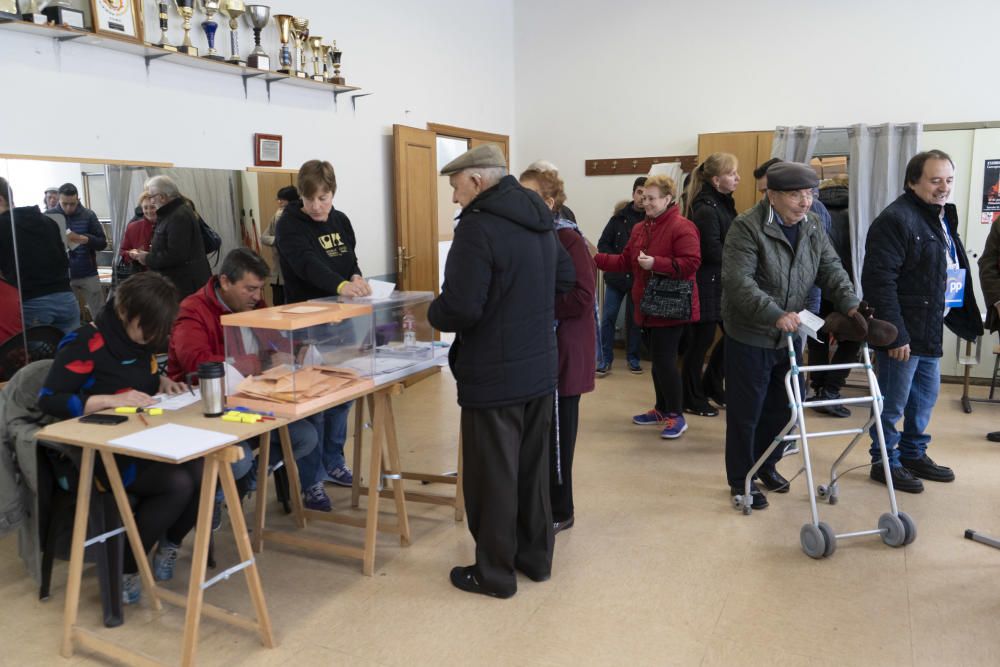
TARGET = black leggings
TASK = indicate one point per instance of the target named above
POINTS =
(167, 501)
(562, 494)
(662, 343)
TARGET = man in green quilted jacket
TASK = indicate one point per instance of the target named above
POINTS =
(773, 255)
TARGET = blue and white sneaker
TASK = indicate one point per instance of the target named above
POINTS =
(315, 498)
(164, 560)
(131, 588)
(341, 475)
(674, 426)
(652, 418)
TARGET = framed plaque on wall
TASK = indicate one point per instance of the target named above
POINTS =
(121, 18)
(266, 150)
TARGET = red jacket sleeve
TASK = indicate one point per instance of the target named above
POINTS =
(580, 299)
(192, 341)
(684, 247)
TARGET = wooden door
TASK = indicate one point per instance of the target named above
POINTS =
(268, 184)
(415, 184)
(747, 147)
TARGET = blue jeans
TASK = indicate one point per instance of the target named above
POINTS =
(59, 310)
(613, 299)
(331, 426)
(307, 455)
(911, 390)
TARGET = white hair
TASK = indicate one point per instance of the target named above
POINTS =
(163, 185)
(489, 175)
(543, 166)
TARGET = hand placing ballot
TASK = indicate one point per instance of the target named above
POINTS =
(645, 261)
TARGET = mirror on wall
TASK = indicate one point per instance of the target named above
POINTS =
(77, 222)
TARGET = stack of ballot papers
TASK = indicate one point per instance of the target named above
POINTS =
(285, 385)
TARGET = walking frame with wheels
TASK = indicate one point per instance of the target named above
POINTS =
(817, 537)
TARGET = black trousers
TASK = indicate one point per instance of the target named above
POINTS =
(698, 338)
(562, 494)
(819, 353)
(756, 405)
(662, 343)
(506, 487)
(167, 501)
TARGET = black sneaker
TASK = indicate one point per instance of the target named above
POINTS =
(832, 410)
(464, 578)
(925, 468)
(902, 479)
(705, 410)
(758, 499)
(602, 371)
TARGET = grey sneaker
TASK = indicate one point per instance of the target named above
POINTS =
(164, 560)
(131, 588)
(315, 498)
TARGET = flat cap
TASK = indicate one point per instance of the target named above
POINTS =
(784, 176)
(487, 155)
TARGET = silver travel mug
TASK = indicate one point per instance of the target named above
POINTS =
(211, 380)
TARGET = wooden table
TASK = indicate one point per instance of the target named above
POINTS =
(93, 438)
(383, 464)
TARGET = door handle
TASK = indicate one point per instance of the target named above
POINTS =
(402, 257)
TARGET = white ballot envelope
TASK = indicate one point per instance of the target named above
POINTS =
(810, 324)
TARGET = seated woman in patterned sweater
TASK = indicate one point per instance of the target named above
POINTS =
(110, 363)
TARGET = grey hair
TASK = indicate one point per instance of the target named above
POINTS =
(163, 185)
(542, 165)
(489, 175)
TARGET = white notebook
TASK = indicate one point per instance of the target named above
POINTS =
(173, 441)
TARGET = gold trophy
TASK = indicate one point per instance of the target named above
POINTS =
(284, 22)
(324, 57)
(335, 55)
(300, 30)
(316, 44)
(234, 9)
(186, 9)
(164, 42)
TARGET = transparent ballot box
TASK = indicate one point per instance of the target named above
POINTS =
(404, 339)
(292, 360)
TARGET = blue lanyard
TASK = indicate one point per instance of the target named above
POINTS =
(952, 250)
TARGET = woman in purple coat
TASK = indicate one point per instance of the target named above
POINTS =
(576, 341)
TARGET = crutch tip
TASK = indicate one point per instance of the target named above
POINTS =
(970, 534)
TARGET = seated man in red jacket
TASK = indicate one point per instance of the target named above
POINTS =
(197, 337)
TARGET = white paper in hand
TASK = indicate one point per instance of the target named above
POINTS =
(380, 289)
(810, 324)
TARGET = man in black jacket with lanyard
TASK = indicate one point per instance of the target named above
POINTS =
(916, 276)
(618, 286)
(501, 277)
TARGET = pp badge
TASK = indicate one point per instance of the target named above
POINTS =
(954, 295)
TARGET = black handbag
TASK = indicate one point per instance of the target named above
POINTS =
(665, 297)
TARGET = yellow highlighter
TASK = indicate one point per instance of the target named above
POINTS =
(130, 411)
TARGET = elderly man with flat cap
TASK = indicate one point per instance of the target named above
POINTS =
(773, 255)
(501, 277)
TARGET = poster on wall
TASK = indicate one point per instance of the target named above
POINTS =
(991, 192)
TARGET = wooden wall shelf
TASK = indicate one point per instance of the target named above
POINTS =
(635, 165)
(151, 53)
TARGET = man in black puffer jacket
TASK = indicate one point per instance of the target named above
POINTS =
(914, 259)
(501, 277)
(618, 286)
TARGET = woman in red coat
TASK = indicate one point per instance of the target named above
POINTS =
(576, 342)
(138, 236)
(665, 243)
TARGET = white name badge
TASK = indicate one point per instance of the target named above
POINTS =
(954, 295)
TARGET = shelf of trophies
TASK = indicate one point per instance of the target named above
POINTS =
(322, 71)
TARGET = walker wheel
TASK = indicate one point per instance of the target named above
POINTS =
(830, 537)
(822, 492)
(893, 530)
(737, 502)
(909, 527)
(813, 541)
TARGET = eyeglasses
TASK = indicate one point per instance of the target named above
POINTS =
(799, 196)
